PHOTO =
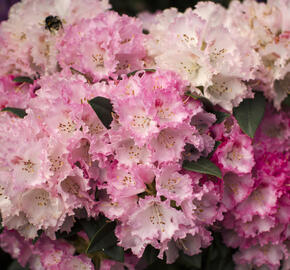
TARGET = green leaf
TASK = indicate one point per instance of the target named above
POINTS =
(201, 88)
(91, 226)
(149, 256)
(116, 253)
(208, 106)
(149, 70)
(23, 79)
(203, 165)
(286, 102)
(86, 76)
(1, 226)
(174, 205)
(79, 243)
(282, 88)
(103, 108)
(250, 113)
(220, 116)
(17, 111)
(213, 253)
(97, 195)
(218, 256)
(216, 145)
(190, 261)
(104, 238)
(39, 233)
(16, 266)
(68, 235)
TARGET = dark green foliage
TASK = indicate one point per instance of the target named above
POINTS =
(209, 107)
(148, 70)
(250, 113)
(149, 257)
(286, 102)
(102, 238)
(104, 109)
(16, 266)
(192, 262)
(216, 145)
(115, 252)
(221, 116)
(17, 111)
(1, 226)
(203, 165)
(39, 233)
(23, 79)
(77, 227)
(216, 257)
(86, 76)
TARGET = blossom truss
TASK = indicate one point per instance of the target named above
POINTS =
(121, 133)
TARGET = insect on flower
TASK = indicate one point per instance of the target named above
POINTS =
(53, 23)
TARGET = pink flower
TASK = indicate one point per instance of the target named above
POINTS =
(169, 143)
(236, 154)
(109, 43)
(262, 201)
(154, 219)
(12, 243)
(236, 189)
(173, 185)
(269, 255)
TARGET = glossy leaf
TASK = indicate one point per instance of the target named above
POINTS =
(220, 116)
(218, 256)
(104, 109)
(203, 165)
(286, 102)
(216, 145)
(191, 261)
(73, 232)
(149, 256)
(116, 253)
(149, 70)
(91, 226)
(103, 238)
(208, 106)
(86, 76)
(23, 79)
(1, 226)
(16, 266)
(250, 113)
(282, 88)
(39, 233)
(17, 111)
(201, 88)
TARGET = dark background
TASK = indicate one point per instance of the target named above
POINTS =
(4, 6)
(130, 7)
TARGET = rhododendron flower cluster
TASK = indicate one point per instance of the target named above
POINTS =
(119, 134)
